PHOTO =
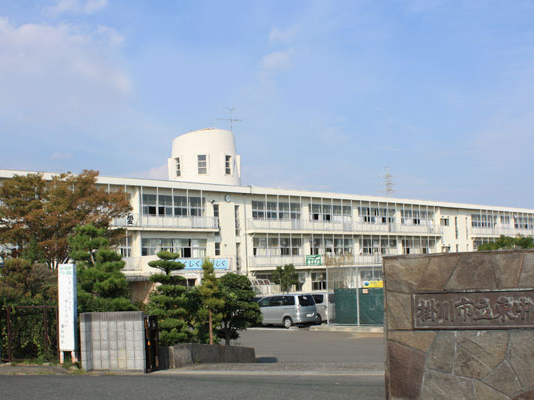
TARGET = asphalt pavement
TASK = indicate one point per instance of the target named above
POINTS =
(299, 363)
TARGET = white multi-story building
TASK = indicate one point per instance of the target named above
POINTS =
(203, 211)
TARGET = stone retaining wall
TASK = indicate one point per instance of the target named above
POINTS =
(460, 326)
(190, 353)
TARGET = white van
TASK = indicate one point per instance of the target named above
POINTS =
(325, 307)
(288, 309)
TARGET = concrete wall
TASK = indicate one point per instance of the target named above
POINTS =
(460, 326)
(113, 341)
(190, 353)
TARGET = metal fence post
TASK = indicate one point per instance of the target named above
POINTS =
(9, 339)
(45, 323)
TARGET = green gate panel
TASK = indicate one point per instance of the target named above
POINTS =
(372, 306)
(346, 307)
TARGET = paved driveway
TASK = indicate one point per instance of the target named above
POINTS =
(301, 345)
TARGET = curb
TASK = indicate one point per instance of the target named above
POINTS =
(348, 328)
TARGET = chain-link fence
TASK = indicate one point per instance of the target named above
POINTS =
(356, 295)
(29, 333)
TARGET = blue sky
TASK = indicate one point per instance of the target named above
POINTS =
(330, 93)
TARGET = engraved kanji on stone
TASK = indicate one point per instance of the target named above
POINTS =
(504, 308)
(522, 307)
(464, 308)
(426, 310)
(445, 311)
(483, 309)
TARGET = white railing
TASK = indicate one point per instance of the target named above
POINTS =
(346, 225)
(138, 266)
(341, 260)
(501, 230)
(275, 261)
(136, 220)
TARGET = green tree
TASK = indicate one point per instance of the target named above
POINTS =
(41, 213)
(25, 283)
(286, 277)
(169, 301)
(101, 284)
(508, 242)
(240, 311)
(210, 296)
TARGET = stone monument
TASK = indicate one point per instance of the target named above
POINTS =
(460, 326)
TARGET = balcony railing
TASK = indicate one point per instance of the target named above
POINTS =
(501, 230)
(136, 220)
(325, 260)
(346, 225)
(138, 266)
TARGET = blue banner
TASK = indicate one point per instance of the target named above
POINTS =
(196, 263)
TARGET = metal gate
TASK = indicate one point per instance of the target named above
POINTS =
(151, 343)
(29, 333)
(355, 303)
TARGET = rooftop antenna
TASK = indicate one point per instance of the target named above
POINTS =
(231, 119)
(388, 183)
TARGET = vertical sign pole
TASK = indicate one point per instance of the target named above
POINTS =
(68, 310)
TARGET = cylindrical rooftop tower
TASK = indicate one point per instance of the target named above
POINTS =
(207, 156)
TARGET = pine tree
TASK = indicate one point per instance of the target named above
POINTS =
(101, 284)
(210, 296)
(286, 277)
(168, 302)
(240, 311)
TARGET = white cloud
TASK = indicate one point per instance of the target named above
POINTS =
(160, 172)
(59, 73)
(283, 36)
(278, 60)
(75, 7)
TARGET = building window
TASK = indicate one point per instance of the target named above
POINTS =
(374, 215)
(318, 280)
(196, 206)
(316, 246)
(178, 166)
(444, 221)
(125, 246)
(483, 221)
(164, 205)
(202, 164)
(183, 208)
(258, 209)
(274, 210)
(236, 220)
(149, 204)
(228, 165)
(271, 210)
(186, 248)
(217, 248)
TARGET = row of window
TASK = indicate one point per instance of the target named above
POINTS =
(186, 248)
(337, 246)
(202, 165)
(167, 205)
(489, 221)
(275, 210)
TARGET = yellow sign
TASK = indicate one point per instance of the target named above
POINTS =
(373, 284)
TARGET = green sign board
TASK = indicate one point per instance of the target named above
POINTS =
(313, 260)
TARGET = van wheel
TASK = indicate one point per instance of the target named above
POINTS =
(319, 320)
(287, 322)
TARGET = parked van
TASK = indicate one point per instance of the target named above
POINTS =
(325, 307)
(288, 309)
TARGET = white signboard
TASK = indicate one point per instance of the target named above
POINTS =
(68, 307)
